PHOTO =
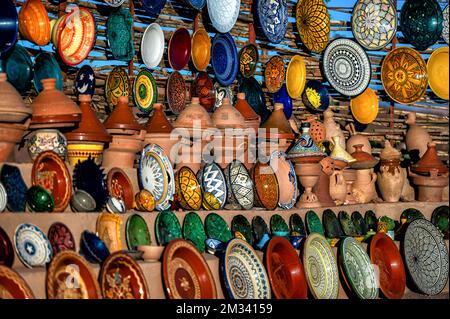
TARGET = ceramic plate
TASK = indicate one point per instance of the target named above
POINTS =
(274, 74)
(13, 286)
(136, 232)
(331, 225)
(320, 267)
(119, 29)
(240, 224)
(248, 60)
(313, 224)
(93, 248)
(18, 67)
(186, 273)
(115, 3)
(45, 67)
(445, 25)
(108, 229)
(296, 224)
(403, 86)
(278, 225)
(283, 97)
(243, 273)
(437, 67)
(364, 107)
(85, 80)
(217, 228)
(188, 189)
(347, 224)
(196, 4)
(358, 269)
(60, 238)
(194, 231)
(239, 185)
(6, 249)
(156, 175)
(315, 96)
(440, 219)
(15, 187)
(167, 227)
(9, 28)
(117, 85)
(371, 220)
(50, 172)
(179, 50)
(176, 92)
(260, 230)
(224, 58)
(374, 23)
(32, 246)
(296, 77)
(255, 97)
(360, 223)
(152, 45)
(145, 91)
(273, 19)
(153, 7)
(201, 49)
(120, 187)
(203, 88)
(3, 198)
(213, 181)
(347, 67)
(426, 256)
(287, 180)
(267, 190)
(122, 278)
(313, 24)
(68, 266)
(223, 13)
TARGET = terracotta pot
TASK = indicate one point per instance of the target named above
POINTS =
(417, 138)
(194, 116)
(12, 107)
(308, 175)
(252, 119)
(332, 128)
(355, 139)
(52, 109)
(363, 159)
(408, 194)
(322, 187)
(317, 130)
(230, 148)
(430, 188)
(364, 187)
(338, 188)
(122, 150)
(350, 178)
(389, 153)
(10, 135)
(430, 162)
(390, 181)
(189, 154)
(122, 120)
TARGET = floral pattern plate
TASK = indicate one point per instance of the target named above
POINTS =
(136, 232)
(213, 181)
(223, 13)
(32, 246)
(273, 19)
(167, 227)
(60, 238)
(194, 231)
(313, 24)
(145, 91)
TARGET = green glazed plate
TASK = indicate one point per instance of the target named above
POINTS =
(260, 228)
(193, 230)
(371, 220)
(347, 224)
(313, 224)
(297, 225)
(331, 225)
(241, 224)
(277, 224)
(360, 224)
(120, 34)
(167, 227)
(136, 232)
(217, 228)
(145, 91)
(439, 218)
(411, 214)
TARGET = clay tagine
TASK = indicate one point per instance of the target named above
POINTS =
(417, 138)
(430, 188)
(122, 120)
(227, 116)
(430, 162)
(304, 149)
(12, 107)
(194, 116)
(363, 159)
(391, 177)
(10, 135)
(252, 119)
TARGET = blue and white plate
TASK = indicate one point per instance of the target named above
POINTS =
(239, 185)
(224, 58)
(45, 67)
(212, 180)
(223, 13)
(156, 175)
(32, 246)
(273, 18)
(85, 81)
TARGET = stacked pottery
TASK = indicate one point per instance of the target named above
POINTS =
(417, 138)
(127, 136)
(89, 138)
(332, 128)
(13, 119)
(429, 175)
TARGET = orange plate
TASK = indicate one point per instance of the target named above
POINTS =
(365, 106)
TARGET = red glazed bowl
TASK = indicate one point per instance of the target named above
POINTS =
(179, 50)
(6, 249)
(119, 186)
(13, 285)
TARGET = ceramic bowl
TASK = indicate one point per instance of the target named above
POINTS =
(93, 248)
(204, 89)
(223, 13)
(315, 96)
(9, 26)
(115, 206)
(136, 232)
(188, 189)
(117, 85)
(13, 285)
(3, 198)
(32, 246)
(40, 200)
(273, 19)
(196, 4)
(364, 107)
(313, 23)
(85, 80)
(179, 50)
(151, 253)
(6, 249)
(239, 186)
(266, 186)
(34, 24)
(120, 187)
(176, 92)
(296, 77)
(213, 181)
(274, 74)
(152, 45)
(46, 140)
(145, 91)
(201, 49)
(60, 238)
(119, 31)
(437, 66)
(144, 201)
(248, 60)
(18, 66)
(214, 246)
(224, 58)
(153, 7)
(15, 187)
(82, 201)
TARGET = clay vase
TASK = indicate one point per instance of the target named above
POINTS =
(390, 180)
(364, 187)
(339, 155)
(121, 120)
(338, 188)
(332, 128)
(355, 139)
(308, 175)
(276, 131)
(122, 150)
(12, 107)
(52, 109)
(430, 188)
(10, 135)
(429, 162)
(417, 138)
(322, 187)
(389, 153)
(350, 178)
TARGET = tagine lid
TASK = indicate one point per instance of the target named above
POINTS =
(90, 129)
(158, 122)
(11, 100)
(389, 153)
(194, 114)
(363, 159)
(227, 116)
(277, 120)
(122, 119)
(430, 161)
(305, 146)
(245, 109)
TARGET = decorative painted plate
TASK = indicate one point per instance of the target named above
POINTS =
(274, 74)
(6, 249)
(248, 60)
(69, 267)
(440, 219)
(410, 214)
(224, 58)
(347, 224)
(50, 172)
(12, 285)
(260, 230)
(121, 277)
(93, 248)
(119, 29)
(315, 96)
(60, 238)
(221, 93)
(136, 232)
(240, 224)
(371, 220)
(85, 80)
(194, 231)
(203, 88)
(426, 256)
(273, 19)
(188, 189)
(437, 67)
(156, 175)
(152, 45)
(254, 96)
(153, 7)
(296, 77)
(364, 107)
(179, 49)
(210, 202)
(347, 67)
(115, 3)
(10, 27)
(313, 24)
(167, 227)
(145, 91)
(186, 273)
(201, 49)
(212, 180)
(358, 270)
(282, 96)
(331, 225)
(360, 223)
(287, 180)
(32, 246)
(120, 187)
(374, 23)
(90, 178)
(421, 23)
(108, 229)
(16, 189)
(404, 75)
(117, 85)
(45, 67)
(17, 65)
(278, 225)
(176, 92)
(296, 224)
(266, 186)
(320, 267)
(445, 32)
(223, 13)
(217, 228)
(313, 223)
(239, 185)
(243, 273)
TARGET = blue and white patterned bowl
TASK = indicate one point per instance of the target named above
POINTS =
(93, 248)
(223, 13)
(212, 180)
(3, 198)
(32, 246)
(224, 58)
(273, 18)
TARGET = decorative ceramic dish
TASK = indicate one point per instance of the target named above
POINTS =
(287, 180)
(221, 93)
(40, 200)
(152, 45)
(437, 66)
(224, 58)
(440, 219)
(201, 49)
(82, 201)
(254, 96)
(248, 60)
(273, 19)
(120, 187)
(46, 140)
(196, 4)
(60, 238)
(261, 232)
(136, 232)
(3, 198)
(46, 67)
(239, 185)
(85, 80)
(119, 30)
(347, 224)
(194, 231)
(313, 224)
(445, 33)
(266, 186)
(331, 225)
(115, 3)
(274, 74)
(167, 227)
(315, 96)
(34, 23)
(108, 230)
(313, 24)
(17, 65)
(203, 88)
(32, 246)
(360, 223)
(153, 7)
(296, 225)
(6, 249)
(176, 92)
(12, 285)
(16, 189)
(364, 107)
(296, 77)
(240, 224)
(188, 189)
(179, 50)
(151, 254)
(145, 91)
(223, 13)
(278, 226)
(282, 96)
(217, 228)
(210, 202)
(117, 85)
(93, 248)
(9, 29)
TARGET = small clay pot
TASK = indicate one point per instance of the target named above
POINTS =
(417, 138)
(122, 150)
(338, 188)
(363, 159)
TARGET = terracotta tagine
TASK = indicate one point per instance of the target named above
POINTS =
(304, 149)
(308, 175)
(430, 188)
(364, 187)
(417, 138)
(322, 187)
(332, 128)
(339, 155)
(122, 120)
(363, 159)
(390, 178)
(52, 109)
(12, 107)
(10, 135)
(350, 178)
(252, 119)
(355, 139)
(430, 162)
(194, 116)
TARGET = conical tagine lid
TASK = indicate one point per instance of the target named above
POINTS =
(227, 116)
(121, 120)
(430, 161)
(278, 121)
(245, 109)
(158, 122)
(305, 147)
(194, 114)
(12, 107)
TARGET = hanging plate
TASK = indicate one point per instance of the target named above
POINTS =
(445, 32)
(239, 185)
(313, 24)
(203, 88)
(119, 29)
(120, 187)
(217, 228)
(364, 107)
(278, 225)
(223, 13)
(145, 91)
(255, 97)
(179, 49)
(167, 227)
(32, 246)
(15, 187)
(201, 49)
(313, 224)
(188, 189)
(273, 18)
(248, 60)
(45, 67)
(60, 238)
(437, 67)
(18, 67)
(274, 74)
(152, 45)
(6, 249)
(267, 190)
(296, 77)
(85, 80)
(117, 85)
(176, 92)
(224, 58)
(296, 224)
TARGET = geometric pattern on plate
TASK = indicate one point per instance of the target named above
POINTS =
(313, 24)
(32, 246)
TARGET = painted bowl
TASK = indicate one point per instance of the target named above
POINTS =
(136, 232)
(13, 285)
(119, 31)
(201, 49)
(9, 26)
(151, 253)
(32, 246)
(93, 248)
(313, 24)
(79, 152)
(153, 7)
(364, 107)
(188, 189)
(296, 77)
(115, 206)
(40, 200)
(15, 188)
(196, 4)
(255, 97)
(437, 67)
(60, 238)
(239, 185)
(224, 58)
(144, 201)
(145, 91)
(248, 60)
(46, 140)
(210, 202)
(315, 96)
(114, 3)
(34, 24)
(274, 74)
(176, 92)
(3, 198)
(266, 186)
(152, 45)
(204, 89)
(82, 201)
(213, 182)
(120, 187)
(283, 97)
(117, 85)
(179, 50)
(273, 19)
(223, 13)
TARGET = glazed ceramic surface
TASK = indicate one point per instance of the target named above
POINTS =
(201, 49)
(152, 45)
(176, 92)
(243, 273)
(17, 65)
(239, 185)
(196, 4)
(374, 23)
(273, 19)
(12, 285)
(120, 187)
(156, 175)
(437, 67)
(440, 219)
(217, 228)
(224, 58)
(274, 73)
(179, 50)
(40, 200)
(204, 89)
(320, 267)
(93, 248)
(266, 186)
(82, 201)
(313, 223)
(60, 238)
(153, 7)
(194, 231)
(6, 249)
(46, 67)
(296, 225)
(248, 60)
(10, 27)
(167, 227)
(296, 77)
(32, 246)
(347, 67)
(254, 96)
(223, 13)
(313, 23)
(426, 256)
(115, 3)
(287, 180)
(364, 107)
(360, 223)
(421, 22)
(117, 85)
(304, 149)
(85, 80)
(34, 23)
(3, 198)
(15, 187)
(331, 224)
(241, 224)
(119, 28)
(46, 140)
(188, 189)
(278, 225)
(213, 181)
(404, 75)
(108, 229)
(315, 96)
(261, 232)
(145, 91)
(283, 97)
(445, 33)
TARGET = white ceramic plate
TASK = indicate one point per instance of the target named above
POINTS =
(223, 13)
(32, 246)
(152, 45)
(3, 198)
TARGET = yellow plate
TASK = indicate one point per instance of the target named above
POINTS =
(365, 106)
(437, 67)
(201, 49)
(296, 77)
(313, 24)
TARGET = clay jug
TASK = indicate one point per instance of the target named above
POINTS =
(122, 120)
(355, 139)
(322, 187)
(338, 187)
(332, 128)
(12, 107)
(417, 138)
(364, 187)
(390, 180)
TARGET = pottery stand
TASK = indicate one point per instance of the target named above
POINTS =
(308, 175)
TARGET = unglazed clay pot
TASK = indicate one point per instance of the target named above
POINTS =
(390, 181)
(364, 187)
(363, 159)
(417, 137)
(355, 139)
(322, 187)
(308, 175)
(194, 116)
(252, 119)
(332, 128)
(122, 120)
(338, 187)
(350, 178)
(430, 188)
(12, 107)
(10, 135)
(227, 116)
(122, 150)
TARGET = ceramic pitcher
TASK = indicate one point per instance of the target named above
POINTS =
(364, 187)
